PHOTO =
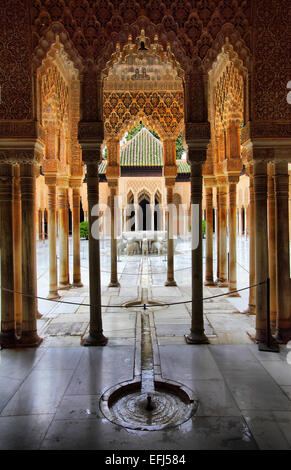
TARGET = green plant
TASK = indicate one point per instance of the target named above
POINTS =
(84, 233)
(203, 228)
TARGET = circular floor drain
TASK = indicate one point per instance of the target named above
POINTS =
(172, 405)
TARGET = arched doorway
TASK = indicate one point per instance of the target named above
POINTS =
(144, 215)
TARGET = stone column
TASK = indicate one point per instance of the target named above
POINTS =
(29, 336)
(197, 335)
(232, 180)
(8, 321)
(217, 235)
(272, 245)
(63, 238)
(152, 209)
(262, 258)
(76, 238)
(252, 242)
(17, 232)
(283, 326)
(95, 337)
(52, 234)
(209, 237)
(169, 220)
(222, 278)
(136, 217)
(113, 185)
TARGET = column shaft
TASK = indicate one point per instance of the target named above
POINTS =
(76, 239)
(283, 330)
(95, 337)
(262, 258)
(170, 258)
(209, 237)
(29, 336)
(217, 234)
(63, 238)
(232, 238)
(114, 276)
(272, 246)
(197, 335)
(252, 246)
(52, 235)
(17, 240)
(222, 280)
(8, 321)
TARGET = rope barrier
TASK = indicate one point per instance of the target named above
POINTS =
(123, 306)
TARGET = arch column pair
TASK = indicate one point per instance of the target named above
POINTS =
(10, 251)
(279, 157)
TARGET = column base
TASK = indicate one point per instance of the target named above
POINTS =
(209, 282)
(64, 286)
(29, 340)
(38, 315)
(8, 339)
(113, 284)
(196, 337)
(232, 293)
(53, 295)
(77, 284)
(171, 283)
(222, 283)
(283, 335)
(251, 310)
(96, 339)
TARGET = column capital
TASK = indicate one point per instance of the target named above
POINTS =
(92, 154)
(63, 181)
(90, 134)
(209, 181)
(29, 155)
(221, 180)
(232, 179)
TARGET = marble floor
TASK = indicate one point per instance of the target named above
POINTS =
(49, 397)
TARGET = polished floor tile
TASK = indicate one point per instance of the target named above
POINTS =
(23, 432)
(101, 368)
(40, 393)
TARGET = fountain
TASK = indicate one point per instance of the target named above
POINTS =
(148, 402)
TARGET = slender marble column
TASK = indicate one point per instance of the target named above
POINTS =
(113, 185)
(222, 280)
(209, 237)
(63, 238)
(197, 335)
(232, 235)
(217, 235)
(8, 321)
(283, 330)
(262, 258)
(170, 264)
(52, 234)
(272, 245)
(95, 337)
(17, 232)
(76, 239)
(152, 211)
(29, 336)
(252, 242)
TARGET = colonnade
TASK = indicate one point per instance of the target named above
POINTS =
(58, 199)
(18, 254)
(269, 248)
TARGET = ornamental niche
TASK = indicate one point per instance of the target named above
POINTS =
(143, 82)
